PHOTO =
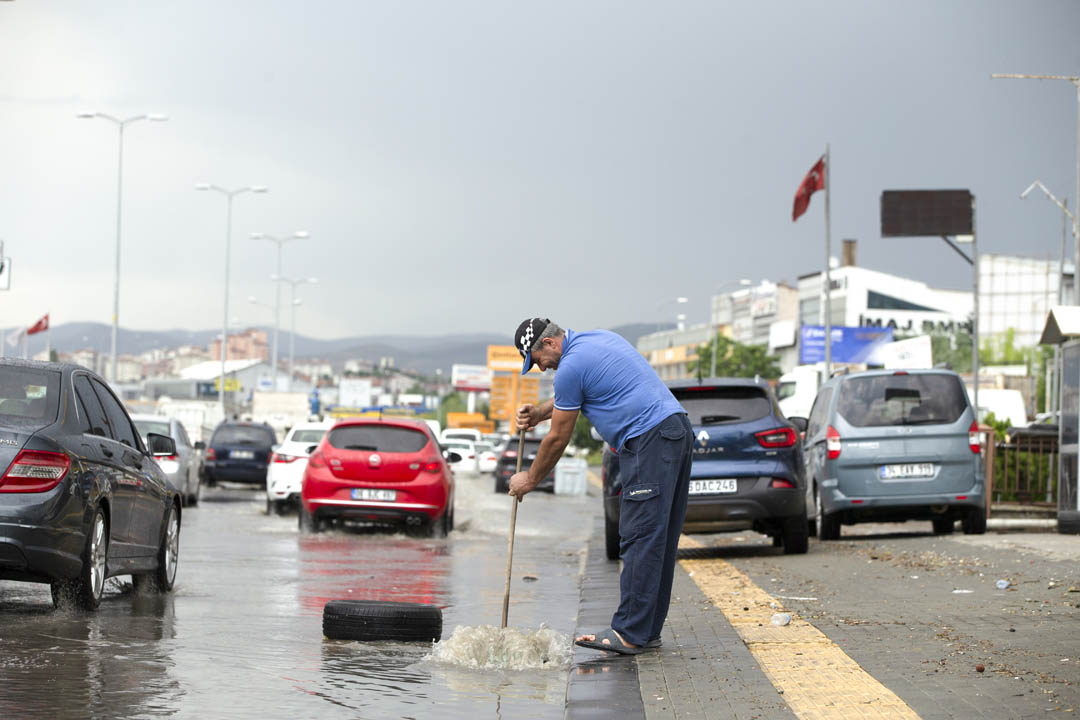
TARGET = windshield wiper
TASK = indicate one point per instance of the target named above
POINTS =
(361, 447)
(714, 419)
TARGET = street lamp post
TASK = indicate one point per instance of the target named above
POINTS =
(294, 301)
(280, 242)
(229, 195)
(120, 125)
(676, 301)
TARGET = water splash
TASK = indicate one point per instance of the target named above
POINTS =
(487, 647)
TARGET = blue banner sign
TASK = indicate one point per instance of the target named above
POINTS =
(849, 344)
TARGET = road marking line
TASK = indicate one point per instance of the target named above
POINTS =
(818, 679)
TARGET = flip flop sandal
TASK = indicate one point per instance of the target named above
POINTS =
(613, 644)
(653, 644)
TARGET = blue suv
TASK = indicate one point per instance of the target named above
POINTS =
(747, 471)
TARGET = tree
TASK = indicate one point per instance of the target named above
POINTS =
(734, 359)
(581, 437)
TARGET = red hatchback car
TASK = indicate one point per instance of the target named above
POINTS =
(382, 471)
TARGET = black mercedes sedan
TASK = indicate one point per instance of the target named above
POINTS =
(81, 497)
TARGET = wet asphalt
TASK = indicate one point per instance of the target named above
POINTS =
(241, 635)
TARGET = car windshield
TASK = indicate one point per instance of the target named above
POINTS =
(307, 436)
(243, 435)
(919, 399)
(484, 447)
(785, 390)
(150, 426)
(716, 405)
(32, 395)
(381, 438)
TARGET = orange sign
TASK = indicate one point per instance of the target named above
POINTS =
(506, 358)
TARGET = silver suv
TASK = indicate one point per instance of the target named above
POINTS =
(890, 446)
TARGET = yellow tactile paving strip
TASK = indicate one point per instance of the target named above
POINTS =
(819, 681)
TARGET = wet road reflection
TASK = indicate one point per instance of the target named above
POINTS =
(242, 634)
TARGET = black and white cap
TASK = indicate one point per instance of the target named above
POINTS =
(528, 333)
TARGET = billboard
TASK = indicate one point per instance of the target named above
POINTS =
(354, 392)
(471, 378)
(849, 344)
(914, 213)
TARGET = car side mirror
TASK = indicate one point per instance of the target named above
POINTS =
(200, 445)
(452, 457)
(311, 449)
(799, 423)
(160, 444)
(595, 435)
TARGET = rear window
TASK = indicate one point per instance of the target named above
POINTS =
(921, 399)
(307, 436)
(717, 405)
(531, 446)
(243, 435)
(149, 426)
(378, 438)
(29, 394)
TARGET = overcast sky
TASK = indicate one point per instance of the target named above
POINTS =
(461, 165)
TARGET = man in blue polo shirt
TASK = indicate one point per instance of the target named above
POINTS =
(601, 375)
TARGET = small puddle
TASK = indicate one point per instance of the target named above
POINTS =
(487, 647)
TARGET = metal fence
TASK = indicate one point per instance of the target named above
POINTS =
(1022, 469)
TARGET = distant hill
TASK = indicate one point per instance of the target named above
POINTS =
(410, 352)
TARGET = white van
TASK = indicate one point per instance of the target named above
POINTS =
(461, 434)
(797, 389)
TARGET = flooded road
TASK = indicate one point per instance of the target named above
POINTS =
(241, 636)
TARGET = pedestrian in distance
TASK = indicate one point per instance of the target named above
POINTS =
(600, 374)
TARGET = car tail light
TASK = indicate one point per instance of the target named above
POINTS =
(778, 438)
(832, 443)
(511, 454)
(975, 438)
(433, 466)
(471, 456)
(283, 458)
(161, 458)
(211, 454)
(781, 483)
(316, 460)
(35, 471)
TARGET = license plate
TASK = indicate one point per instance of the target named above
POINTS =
(709, 487)
(372, 494)
(242, 455)
(906, 471)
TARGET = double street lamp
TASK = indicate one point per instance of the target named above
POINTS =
(293, 302)
(120, 124)
(229, 195)
(280, 242)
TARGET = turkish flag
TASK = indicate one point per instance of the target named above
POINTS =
(814, 181)
(40, 326)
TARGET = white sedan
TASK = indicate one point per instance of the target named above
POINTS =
(285, 472)
(486, 459)
(467, 450)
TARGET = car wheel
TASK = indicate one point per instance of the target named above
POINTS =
(974, 521)
(168, 555)
(611, 536)
(795, 536)
(379, 620)
(85, 590)
(308, 522)
(500, 486)
(828, 524)
(943, 526)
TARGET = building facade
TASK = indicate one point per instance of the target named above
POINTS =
(1016, 293)
(247, 345)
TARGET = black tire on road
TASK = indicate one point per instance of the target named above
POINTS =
(378, 620)
(795, 536)
(828, 524)
(193, 498)
(974, 521)
(308, 522)
(611, 537)
(163, 578)
(86, 589)
(500, 486)
(943, 526)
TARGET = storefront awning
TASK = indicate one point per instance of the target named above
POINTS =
(1063, 323)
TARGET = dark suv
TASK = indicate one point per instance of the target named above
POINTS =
(239, 452)
(507, 462)
(747, 471)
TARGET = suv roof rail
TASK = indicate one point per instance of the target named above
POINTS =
(840, 371)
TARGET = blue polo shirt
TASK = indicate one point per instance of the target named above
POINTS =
(609, 381)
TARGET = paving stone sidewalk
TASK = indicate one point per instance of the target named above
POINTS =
(703, 669)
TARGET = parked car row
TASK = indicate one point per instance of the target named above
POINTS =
(878, 446)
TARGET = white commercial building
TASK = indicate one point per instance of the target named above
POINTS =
(1016, 293)
(766, 314)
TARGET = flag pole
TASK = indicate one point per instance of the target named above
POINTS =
(25, 345)
(828, 277)
(48, 340)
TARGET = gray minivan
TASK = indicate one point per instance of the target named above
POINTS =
(890, 446)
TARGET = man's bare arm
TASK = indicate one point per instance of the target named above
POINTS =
(551, 448)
